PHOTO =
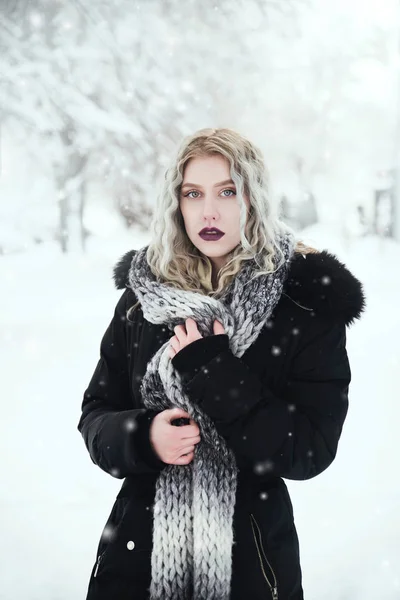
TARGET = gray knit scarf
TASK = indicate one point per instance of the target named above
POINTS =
(194, 504)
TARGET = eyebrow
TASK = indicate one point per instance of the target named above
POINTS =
(226, 182)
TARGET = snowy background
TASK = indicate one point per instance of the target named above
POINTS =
(93, 101)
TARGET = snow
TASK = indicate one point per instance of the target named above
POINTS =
(103, 104)
(95, 88)
(55, 501)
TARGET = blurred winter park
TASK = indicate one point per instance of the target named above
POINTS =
(94, 99)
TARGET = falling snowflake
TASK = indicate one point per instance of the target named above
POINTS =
(263, 467)
(130, 424)
(264, 496)
(36, 19)
(108, 533)
(115, 472)
(326, 280)
(276, 350)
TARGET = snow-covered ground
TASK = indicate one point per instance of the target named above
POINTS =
(54, 500)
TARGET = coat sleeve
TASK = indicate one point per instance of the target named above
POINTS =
(294, 434)
(116, 435)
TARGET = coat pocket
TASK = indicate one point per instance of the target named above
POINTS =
(266, 567)
(110, 532)
(126, 541)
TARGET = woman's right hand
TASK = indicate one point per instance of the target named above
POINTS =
(174, 445)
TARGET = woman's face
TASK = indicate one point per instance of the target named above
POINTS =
(208, 199)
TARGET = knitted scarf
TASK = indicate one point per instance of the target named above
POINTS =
(194, 504)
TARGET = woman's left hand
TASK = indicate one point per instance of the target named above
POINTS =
(183, 337)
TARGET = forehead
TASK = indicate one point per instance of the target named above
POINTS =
(206, 168)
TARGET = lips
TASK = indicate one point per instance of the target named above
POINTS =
(212, 234)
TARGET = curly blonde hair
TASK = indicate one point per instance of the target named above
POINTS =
(171, 255)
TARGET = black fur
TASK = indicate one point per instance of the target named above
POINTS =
(121, 270)
(321, 282)
(316, 281)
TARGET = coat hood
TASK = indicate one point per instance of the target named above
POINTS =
(316, 281)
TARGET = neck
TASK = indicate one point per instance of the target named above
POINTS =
(214, 276)
(216, 266)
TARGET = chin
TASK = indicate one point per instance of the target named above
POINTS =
(214, 251)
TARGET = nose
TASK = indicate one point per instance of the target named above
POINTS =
(210, 211)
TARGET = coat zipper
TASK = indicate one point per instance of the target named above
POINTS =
(273, 588)
(98, 563)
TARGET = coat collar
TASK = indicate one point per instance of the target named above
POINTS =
(319, 281)
(316, 281)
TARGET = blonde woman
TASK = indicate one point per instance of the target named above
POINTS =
(223, 372)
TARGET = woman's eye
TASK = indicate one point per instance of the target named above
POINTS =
(232, 192)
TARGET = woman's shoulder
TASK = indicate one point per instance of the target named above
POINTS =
(316, 281)
(320, 282)
(121, 282)
(121, 270)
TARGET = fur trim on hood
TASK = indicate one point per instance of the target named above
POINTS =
(316, 281)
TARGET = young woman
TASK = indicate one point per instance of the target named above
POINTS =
(223, 371)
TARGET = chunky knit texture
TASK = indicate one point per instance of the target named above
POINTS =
(194, 504)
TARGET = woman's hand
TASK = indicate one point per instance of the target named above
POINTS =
(183, 337)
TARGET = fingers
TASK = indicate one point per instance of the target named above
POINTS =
(186, 432)
(182, 336)
(218, 328)
(191, 330)
(191, 326)
(185, 459)
(175, 413)
(180, 332)
(187, 450)
(174, 346)
(189, 440)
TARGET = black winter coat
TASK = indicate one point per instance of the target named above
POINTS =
(280, 407)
